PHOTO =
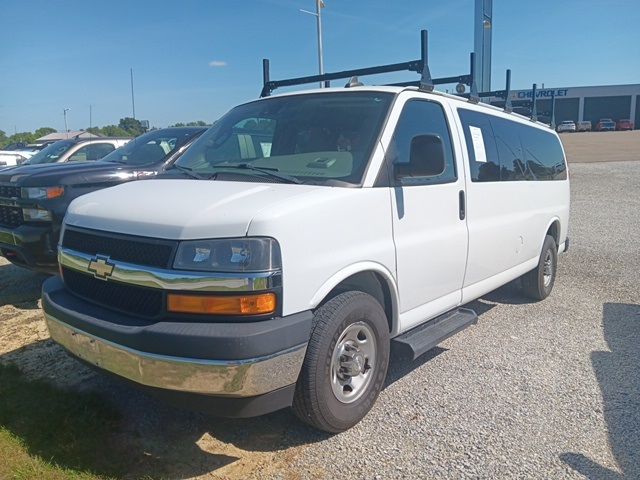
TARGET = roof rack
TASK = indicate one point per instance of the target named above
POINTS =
(421, 66)
(506, 93)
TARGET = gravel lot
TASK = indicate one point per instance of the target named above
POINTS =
(546, 390)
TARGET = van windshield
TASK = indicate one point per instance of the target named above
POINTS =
(324, 138)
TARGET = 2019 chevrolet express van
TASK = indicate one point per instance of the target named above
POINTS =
(300, 236)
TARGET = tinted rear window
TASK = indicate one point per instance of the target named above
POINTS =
(515, 152)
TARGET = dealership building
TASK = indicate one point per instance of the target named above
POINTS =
(579, 103)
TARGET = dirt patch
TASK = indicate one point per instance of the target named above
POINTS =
(24, 339)
(161, 441)
(591, 147)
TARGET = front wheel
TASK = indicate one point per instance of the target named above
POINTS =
(538, 283)
(346, 363)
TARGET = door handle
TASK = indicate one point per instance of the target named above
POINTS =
(462, 208)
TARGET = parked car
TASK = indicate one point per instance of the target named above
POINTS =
(34, 198)
(566, 126)
(76, 150)
(11, 158)
(624, 124)
(15, 146)
(301, 235)
(584, 126)
(605, 125)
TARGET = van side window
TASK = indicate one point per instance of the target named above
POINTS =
(543, 154)
(507, 137)
(421, 117)
(512, 151)
(483, 155)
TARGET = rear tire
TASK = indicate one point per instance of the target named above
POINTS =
(345, 364)
(538, 283)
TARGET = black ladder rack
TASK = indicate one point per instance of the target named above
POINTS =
(420, 66)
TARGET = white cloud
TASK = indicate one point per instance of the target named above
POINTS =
(217, 63)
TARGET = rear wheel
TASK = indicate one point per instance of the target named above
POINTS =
(346, 362)
(538, 283)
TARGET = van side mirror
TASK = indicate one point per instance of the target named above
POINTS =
(426, 158)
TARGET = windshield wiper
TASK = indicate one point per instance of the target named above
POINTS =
(188, 170)
(272, 172)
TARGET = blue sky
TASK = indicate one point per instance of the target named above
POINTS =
(195, 59)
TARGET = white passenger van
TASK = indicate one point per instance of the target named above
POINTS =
(299, 237)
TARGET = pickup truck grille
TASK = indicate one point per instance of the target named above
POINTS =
(8, 191)
(10, 216)
(125, 248)
(133, 300)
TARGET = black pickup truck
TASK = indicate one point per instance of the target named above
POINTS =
(34, 198)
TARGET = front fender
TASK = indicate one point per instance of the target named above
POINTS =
(360, 267)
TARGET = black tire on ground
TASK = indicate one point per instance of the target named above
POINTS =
(315, 401)
(533, 283)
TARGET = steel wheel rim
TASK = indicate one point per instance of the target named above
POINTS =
(547, 269)
(353, 362)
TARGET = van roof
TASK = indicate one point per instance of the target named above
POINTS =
(460, 101)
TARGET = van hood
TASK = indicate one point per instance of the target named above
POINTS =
(179, 209)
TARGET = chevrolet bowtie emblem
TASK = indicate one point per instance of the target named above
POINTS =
(100, 267)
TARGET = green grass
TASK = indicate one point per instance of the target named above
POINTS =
(50, 433)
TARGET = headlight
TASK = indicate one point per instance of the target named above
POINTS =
(42, 193)
(229, 255)
(36, 215)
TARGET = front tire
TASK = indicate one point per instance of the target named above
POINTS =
(345, 364)
(538, 283)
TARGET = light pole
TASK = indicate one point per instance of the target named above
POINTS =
(133, 102)
(66, 130)
(318, 15)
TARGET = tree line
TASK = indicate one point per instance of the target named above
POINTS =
(127, 127)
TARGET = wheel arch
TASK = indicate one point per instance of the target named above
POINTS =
(553, 229)
(368, 277)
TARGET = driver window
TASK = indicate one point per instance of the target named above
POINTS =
(421, 117)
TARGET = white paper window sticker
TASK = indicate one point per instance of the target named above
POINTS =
(478, 144)
(266, 149)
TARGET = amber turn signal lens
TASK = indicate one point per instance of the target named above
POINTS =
(55, 192)
(258, 304)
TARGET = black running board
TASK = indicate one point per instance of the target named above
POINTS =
(424, 337)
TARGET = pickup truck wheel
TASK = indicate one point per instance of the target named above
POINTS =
(345, 364)
(538, 283)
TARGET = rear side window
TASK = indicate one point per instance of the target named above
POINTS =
(543, 155)
(508, 141)
(420, 117)
(512, 151)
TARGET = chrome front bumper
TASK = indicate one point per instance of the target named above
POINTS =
(230, 378)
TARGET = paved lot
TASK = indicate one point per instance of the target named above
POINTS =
(535, 390)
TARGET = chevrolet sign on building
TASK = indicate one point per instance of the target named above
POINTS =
(580, 103)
